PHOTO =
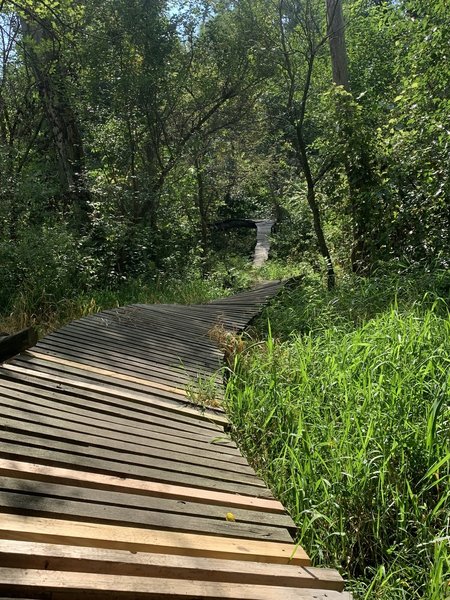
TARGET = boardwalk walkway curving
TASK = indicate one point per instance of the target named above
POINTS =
(114, 483)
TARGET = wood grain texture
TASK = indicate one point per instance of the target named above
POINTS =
(126, 499)
(10, 345)
(114, 587)
(151, 488)
(110, 374)
(38, 529)
(59, 453)
(119, 562)
(96, 512)
(137, 397)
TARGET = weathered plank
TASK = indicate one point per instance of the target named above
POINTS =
(68, 456)
(21, 503)
(87, 422)
(126, 499)
(165, 353)
(96, 437)
(120, 414)
(113, 587)
(151, 400)
(112, 347)
(10, 345)
(37, 529)
(117, 562)
(176, 392)
(155, 489)
(86, 446)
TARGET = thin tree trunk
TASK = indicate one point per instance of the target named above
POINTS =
(297, 124)
(355, 174)
(314, 206)
(201, 203)
(45, 63)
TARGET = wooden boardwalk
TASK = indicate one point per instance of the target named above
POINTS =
(263, 231)
(116, 484)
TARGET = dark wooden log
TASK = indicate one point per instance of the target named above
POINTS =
(10, 345)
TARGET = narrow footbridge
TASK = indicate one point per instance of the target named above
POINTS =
(116, 484)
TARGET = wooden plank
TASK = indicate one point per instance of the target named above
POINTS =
(201, 319)
(209, 315)
(85, 359)
(66, 456)
(138, 398)
(13, 502)
(42, 366)
(162, 349)
(107, 373)
(111, 350)
(10, 345)
(125, 499)
(96, 437)
(179, 325)
(28, 362)
(161, 454)
(88, 421)
(38, 529)
(119, 413)
(68, 585)
(140, 416)
(162, 336)
(49, 473)
(149, 330)
(112, 347)
(117, 562)
(162, 469)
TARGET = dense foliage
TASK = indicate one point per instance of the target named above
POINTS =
(127, 128)
(344, 406)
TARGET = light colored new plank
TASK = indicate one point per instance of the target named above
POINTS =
(107, 373)
(37, 529)
(123, 586)
(28, 555)
(138, 397)
(29, 470)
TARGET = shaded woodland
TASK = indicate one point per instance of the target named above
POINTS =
(128, 127)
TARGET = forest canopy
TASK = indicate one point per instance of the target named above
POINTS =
(128, 127)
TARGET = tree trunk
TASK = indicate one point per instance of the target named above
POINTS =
(202, 209)
(45, 62)
(356, 175)
(314, 206)
(336, 36)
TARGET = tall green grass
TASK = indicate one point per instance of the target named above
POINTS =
(344, 408)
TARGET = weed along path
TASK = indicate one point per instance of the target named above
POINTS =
(116, 483)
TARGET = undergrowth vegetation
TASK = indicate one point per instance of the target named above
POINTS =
(47, 311)
(341, 401)
(47, 282)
